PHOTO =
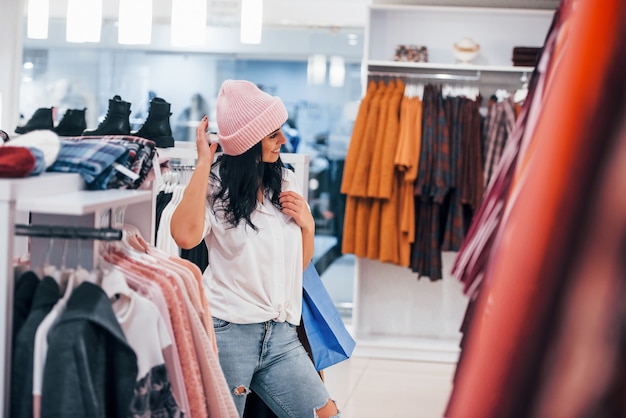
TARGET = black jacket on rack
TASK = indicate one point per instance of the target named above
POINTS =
(46, 295)
(24, 296)
(90, 369)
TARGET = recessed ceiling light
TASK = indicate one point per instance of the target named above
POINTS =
(28, 65)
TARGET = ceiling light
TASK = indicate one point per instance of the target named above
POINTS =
(37, 25)
(135, 22)
(251, 22)
(28, 65)
(84, 21)
(337, 71)
(188, 22)
(316, 69)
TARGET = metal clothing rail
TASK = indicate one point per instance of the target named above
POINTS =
(436, 76)
(68, 232)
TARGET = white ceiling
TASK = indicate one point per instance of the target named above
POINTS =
(343, 13)
(302, 13)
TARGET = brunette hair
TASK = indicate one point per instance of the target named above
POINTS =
(240, 177)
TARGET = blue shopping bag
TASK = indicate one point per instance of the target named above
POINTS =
(328, 337)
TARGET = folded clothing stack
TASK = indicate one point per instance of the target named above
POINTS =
(411, 53)
(107, 162)
(525, 56)
(27, 155)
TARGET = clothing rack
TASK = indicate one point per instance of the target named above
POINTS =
(68, 232)
(181, 167)
(436, 76)
(186, 151)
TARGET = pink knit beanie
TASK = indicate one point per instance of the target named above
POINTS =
(245, 115)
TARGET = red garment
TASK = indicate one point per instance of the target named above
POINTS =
(16, 162)
(502, 374)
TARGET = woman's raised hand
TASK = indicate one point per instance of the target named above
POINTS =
(206, 151)
(297, 207)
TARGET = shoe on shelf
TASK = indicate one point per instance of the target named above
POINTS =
(72, 124)
(41, 119)
(116, 121)
(157, 126)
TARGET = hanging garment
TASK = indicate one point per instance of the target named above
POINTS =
(407, 162)
(40, 352)
(390, 142)
(188, 289)
(356, 142)
(471, 261)
(357, 209)
(499, 124)
(385, 122)
(46, 295)
(431, 186)
(366, 152)
(389, 188)
(348, 244)
(24, 294)
(88, 345)
(172, 360)
(472, 188)
(162, 200)
(198, 255)
(551, 340)
(180, 324)
(146, 334)
(453, 212)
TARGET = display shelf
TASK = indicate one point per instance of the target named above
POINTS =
(378, 65)
(181, 150)
(55, 199)
(395, 315)
(496, 30)
(82, 202)
(38, 186)
(410, 349)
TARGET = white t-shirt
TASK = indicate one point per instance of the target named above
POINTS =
(254, 276)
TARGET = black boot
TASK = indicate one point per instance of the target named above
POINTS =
(116, 121)
(157, 126)
(72, 124)
(41, 119)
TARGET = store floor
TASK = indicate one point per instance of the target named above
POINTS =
(373, 388)
(370, 387)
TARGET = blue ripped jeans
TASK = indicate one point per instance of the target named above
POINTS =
(269, 359)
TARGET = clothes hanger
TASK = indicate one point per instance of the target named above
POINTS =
(502, 94)
(81, 274)
(114, 285)
(48, 269)
(521, 93)
(113, 282)
(63, 275)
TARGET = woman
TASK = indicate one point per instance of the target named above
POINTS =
(259, 234)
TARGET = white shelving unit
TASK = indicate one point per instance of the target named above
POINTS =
(82, 202)
(395, 315)
(410, 66)
(55, 199)
(497, 31)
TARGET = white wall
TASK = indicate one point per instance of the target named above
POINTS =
(10, 61)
